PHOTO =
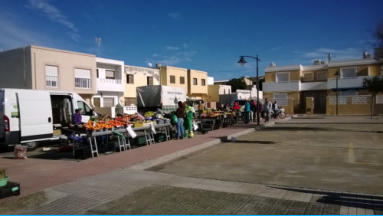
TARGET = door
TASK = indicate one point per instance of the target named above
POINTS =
(35, 115)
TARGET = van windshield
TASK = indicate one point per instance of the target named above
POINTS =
(86, 109)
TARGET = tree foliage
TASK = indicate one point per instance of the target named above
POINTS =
(373, 84)
(237, 83)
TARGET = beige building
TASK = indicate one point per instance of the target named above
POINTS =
(215, 90)
(136, 77)
(197, 85)
(325, 87)
(36, 67)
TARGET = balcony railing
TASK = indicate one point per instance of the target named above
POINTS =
(110, 85)
(355, 82)
(281, 86)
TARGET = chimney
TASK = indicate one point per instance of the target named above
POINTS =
(366, 55)
(329, 57)
(272, 64)
(158, 65)
(316, 62)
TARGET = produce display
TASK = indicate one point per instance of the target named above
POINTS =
(135, 120)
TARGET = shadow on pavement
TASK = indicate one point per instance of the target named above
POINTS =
(345, 199)
(303, 128)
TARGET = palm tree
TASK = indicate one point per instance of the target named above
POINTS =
(373, 85)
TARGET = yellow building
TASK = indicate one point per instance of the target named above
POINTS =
(197, 84)
(334, 87)
(136, 77)
(193, 81)
(174, 76)
(215, 90)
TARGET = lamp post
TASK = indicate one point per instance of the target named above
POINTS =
(242, 61)
(336, 86)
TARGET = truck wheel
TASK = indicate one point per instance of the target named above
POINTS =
(31, 146)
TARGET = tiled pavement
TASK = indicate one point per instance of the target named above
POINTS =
(147, 192)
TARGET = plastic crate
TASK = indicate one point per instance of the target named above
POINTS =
(11, 189)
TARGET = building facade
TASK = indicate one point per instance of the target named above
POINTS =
(36, 67)
(110, 83)
(331, 88)
(136, 77)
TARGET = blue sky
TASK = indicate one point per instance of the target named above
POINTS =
(208, 35)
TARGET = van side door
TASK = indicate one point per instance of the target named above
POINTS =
(35, 115)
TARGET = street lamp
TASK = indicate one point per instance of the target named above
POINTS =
(242, 62)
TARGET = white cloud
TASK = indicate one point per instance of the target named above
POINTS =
(55, 15)
(174, 15)
(338, 54)
(172, 48)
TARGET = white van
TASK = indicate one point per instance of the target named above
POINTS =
(29, 116)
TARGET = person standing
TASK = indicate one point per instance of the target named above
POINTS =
(247, 112)
(180, 113)
(189, 113)
(253, 110)
(267, 109)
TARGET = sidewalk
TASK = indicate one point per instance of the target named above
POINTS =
(37, 174)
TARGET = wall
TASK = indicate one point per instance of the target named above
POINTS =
(15, 68)
(198, 89)
(167, 71)
(213, 93)
(348, 108)
(293, 101)
(66, 61)
(374, 70)
(270, 77)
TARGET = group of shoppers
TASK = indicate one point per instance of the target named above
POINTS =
(251, 107)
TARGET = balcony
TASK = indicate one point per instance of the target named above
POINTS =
(281, 86)
(113, 85)
(312, 86)
(356, 82)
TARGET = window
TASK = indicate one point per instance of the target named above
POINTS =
(308, 76)
(203, 82)
(96, 102)
(86, 110)
(108, 102)
(195, 81)
(172, 79)
(182, 80)
(282, 98)
(348, 72)
(322, 75)
(51, 76)
(109, 74)
(82, 78)
(149, 80)
(130, 78)
(282, 77)
(97, 73)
